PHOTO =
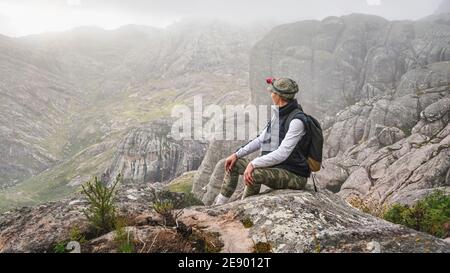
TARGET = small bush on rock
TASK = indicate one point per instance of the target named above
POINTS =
(431, 215)
(165, 208)
(123, 238)
(101, 212)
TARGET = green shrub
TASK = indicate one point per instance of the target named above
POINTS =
(396, 214)
(101, 212)
(60, 247)
(431, 215)
(77, 236)
(166, 209)
(123, 239)
(163, 207)
(247, 222)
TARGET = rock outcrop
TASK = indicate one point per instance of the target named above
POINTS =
(40, 228)
(304, 221)
(284, 221)
(407, 170)
(397, 150)
(400, 109)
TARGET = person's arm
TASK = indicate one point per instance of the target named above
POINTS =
(293, 136)
(252, 146)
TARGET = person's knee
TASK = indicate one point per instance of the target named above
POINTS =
(239, 166)
(242, 162)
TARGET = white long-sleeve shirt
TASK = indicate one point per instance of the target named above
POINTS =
(293, 136)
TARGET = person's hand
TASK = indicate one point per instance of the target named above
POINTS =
(230, 161)
(248, 175)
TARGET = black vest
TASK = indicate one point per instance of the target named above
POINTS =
(296, 162)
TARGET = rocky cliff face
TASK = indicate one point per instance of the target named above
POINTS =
(403, 109)
(398, 149)
(284, 221)
(148, 155)
(405, 171)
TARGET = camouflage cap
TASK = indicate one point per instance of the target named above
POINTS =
(284, 87)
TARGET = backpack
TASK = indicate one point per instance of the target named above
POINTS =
(313, 150)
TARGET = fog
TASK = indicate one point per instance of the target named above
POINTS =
(24, 17)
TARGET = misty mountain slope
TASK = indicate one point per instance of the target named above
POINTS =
(119, 80)
(381, 91)
(110, 61)
(35, 107)
(94, 58)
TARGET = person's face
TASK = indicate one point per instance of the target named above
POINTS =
(275, 98)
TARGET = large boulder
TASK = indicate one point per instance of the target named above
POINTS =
(304, 221)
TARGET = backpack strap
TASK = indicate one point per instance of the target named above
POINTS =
(292, 116)
(298, 113)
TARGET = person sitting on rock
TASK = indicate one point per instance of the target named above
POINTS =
(281, 164)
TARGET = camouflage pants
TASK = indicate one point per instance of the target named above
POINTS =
(274, 178)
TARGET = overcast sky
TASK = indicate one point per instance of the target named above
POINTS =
(23, 17)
